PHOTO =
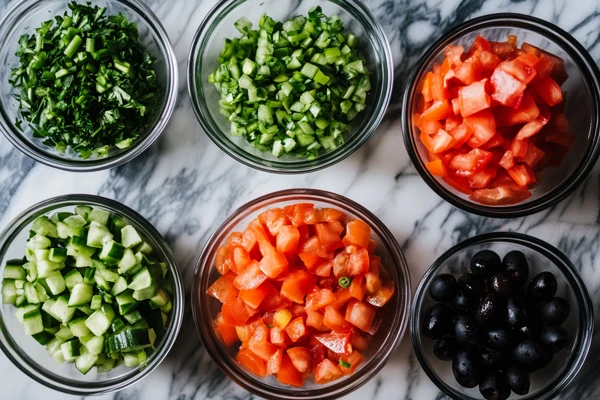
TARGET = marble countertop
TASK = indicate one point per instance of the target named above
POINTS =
(184, 173)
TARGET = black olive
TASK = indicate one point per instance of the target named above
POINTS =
(500, 285)
(516, 266)
(466, 330)
(494, 386)
(485, 264)
(490, 358)
(554, 338)
(530, 329)
(466, 368)
(555, 312)
(471, 285)
(438, 321)
(531, 355)
(442, 287)
(500, 338)
(516, 313)
(489, 310)
(518, 379)
(464, 303)
(543, 286)
(445, 349)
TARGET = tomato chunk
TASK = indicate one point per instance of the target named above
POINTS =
(250, 278)
(326, 372)
(471, 162)
(296, 285)
(252, 362)
(300, 357)
(288, 374)
(358, 234)
(288, 237)
(473, 98)
(360, 315)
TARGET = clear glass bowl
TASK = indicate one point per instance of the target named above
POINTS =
(545, 383)
(208, 43)
(583, 102)
(31, 357)
(205, 308)
(27, 15)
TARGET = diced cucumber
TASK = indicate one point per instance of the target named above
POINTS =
(85, 362)
(130, 237)
(14, 272)
(41, 254)
(144, 248)
(57, 255)
(99, 215)
(60, 216)
(72, 278)
(86, 310)
(44, 227)
(32, 322)
(43, 337)
(64, 333)
(119, 286)
(97, 235)
(38, 242)
(96, 302)
(65, 231)
(149, 276)
(130, 360)
(56, 283)
(62, 311)
(127, 262)
(102, 283)
(95, 344)
(81, 294)
(126, 302)
(133, 317)
(78, 327)
(84, 211)
(45, 268)
(89, 276)
(9, 291)
(160, 299)
(100, 320)
(112, 252)
(75, 221)
(31, 293)
(71, 349)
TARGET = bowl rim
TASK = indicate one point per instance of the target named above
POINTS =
(64, 385)
(567, 268)
(219, 138)
(591, 75)
(143, 12)
(345, 386)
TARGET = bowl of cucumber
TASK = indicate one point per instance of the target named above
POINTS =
(92, 299)
(290, 87)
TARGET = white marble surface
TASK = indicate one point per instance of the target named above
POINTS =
(184, 174)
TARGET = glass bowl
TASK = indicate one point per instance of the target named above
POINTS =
(583, 102)
(208, 43)
(205, 308)
(27, 15)
(31, 357)
(545, 383)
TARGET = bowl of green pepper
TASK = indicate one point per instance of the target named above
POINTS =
(290, 88)
(87, 86)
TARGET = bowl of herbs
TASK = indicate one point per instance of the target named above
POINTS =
(88, 86)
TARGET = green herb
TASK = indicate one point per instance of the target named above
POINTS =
(344, 282)
(345, 364)
(85, 81)
(292, 87)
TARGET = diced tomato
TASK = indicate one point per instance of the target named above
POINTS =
(334, 320)
(426, 90)
(287, 240)
(534, 156)
(526, 112)
(559, 70)
(496, 141)
(519, 147)
(522, 175)
(453, 54)
(501, 49)
(360, 314)
(438, 89)
(357, 287)
(489, 61)
(274, 362)
(328, 238)
(337, 342)
(236, 312)
(297, 284)
(223, 260)
(329, 215)
(324, 269)
(252, 362)
(507, 160)
(437, 143)
(482, 178)
(520, 69)
(483, 126)
(354, 359)
(359, 342)
(245, 331)
(506, 87)
(301, 358)
(544, 67)
(471, 162)
(241, 259)
(549, 91)
(340, 265)
(273, 263)
(319, 299)
(452, 122)
(314, 319)
(250, 278)
(226, 330)
(502, 195)
(530, 129)
(436, 167)
(222, 289)
(358, 234)
(259, 343)
(358, 263)
(480, 44)
(273, 219)
(248, 240)
(288, 374)
(382, 295)
(473, 98)
(254, 297)
(461, 135)
(274, 301)
(430, 127)
(439, 110)
(277, 336)
(313, 246)
(296, 329)
(303, 214)
(326, 372)
(467, 72)
(342, 296)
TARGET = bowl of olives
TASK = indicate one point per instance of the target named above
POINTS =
(502, 316)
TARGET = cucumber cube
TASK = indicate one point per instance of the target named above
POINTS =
(85, 362)
(14, 272)
(130, 237)
(99, 215)
(62, 311)
(71, 349)
(9, 291)
(56, 283)
(57, 255)
(78, 327)
(81, 294)
(72, 278)
(32, 322)
(100, 320)
(43, 226)
(38, 242)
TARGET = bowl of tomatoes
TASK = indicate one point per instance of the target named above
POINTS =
(500, 116)
(301, 294)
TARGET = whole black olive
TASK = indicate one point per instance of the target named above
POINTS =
(543, 286)
(466, 369)
(500, 285)
(442, 287)
(555, 312)
(471, 285)
(554, 338)
(516, 313)
(500, 338)
(489, 310)
(438, 321)
(485, 264)
(445, 349)
(464, 303)
(531, 355)
(494, 386)
(490, 358)
(516, 266)
(518, 379)
(529, 329)
(466, 330)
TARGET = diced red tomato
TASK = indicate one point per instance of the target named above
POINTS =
(273, 219)
(227, 331)
(250, 278)
(439, 110)
(358, 263)
(296, 329)
(334, 320)
(241, 259)
(534, 155)
(274, 362)
(502, 195)
(473, 98)
(507, 161)
(254, 297)
(273, 263)
(223, 260)
(328, 238)
(341, 298)
(319, 299)
(337, 342)
(222, 289)
(522, 175)
(277, 336)
(296, 285)
(438, 89)
(357, 287)
(288, 374)
(482, 178)
(471, 162)
(327, 371)
(436, 167)
(314, 319)
(236, 312)
(360, 315)
(380, 297)
(252, 362)
(519, 147)
(288, 237)
(549, 91)
(467, 72)
(300, 357)
(354, 359)
(439, 142)
(506, 87)
(483, 126)
(358, 234)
